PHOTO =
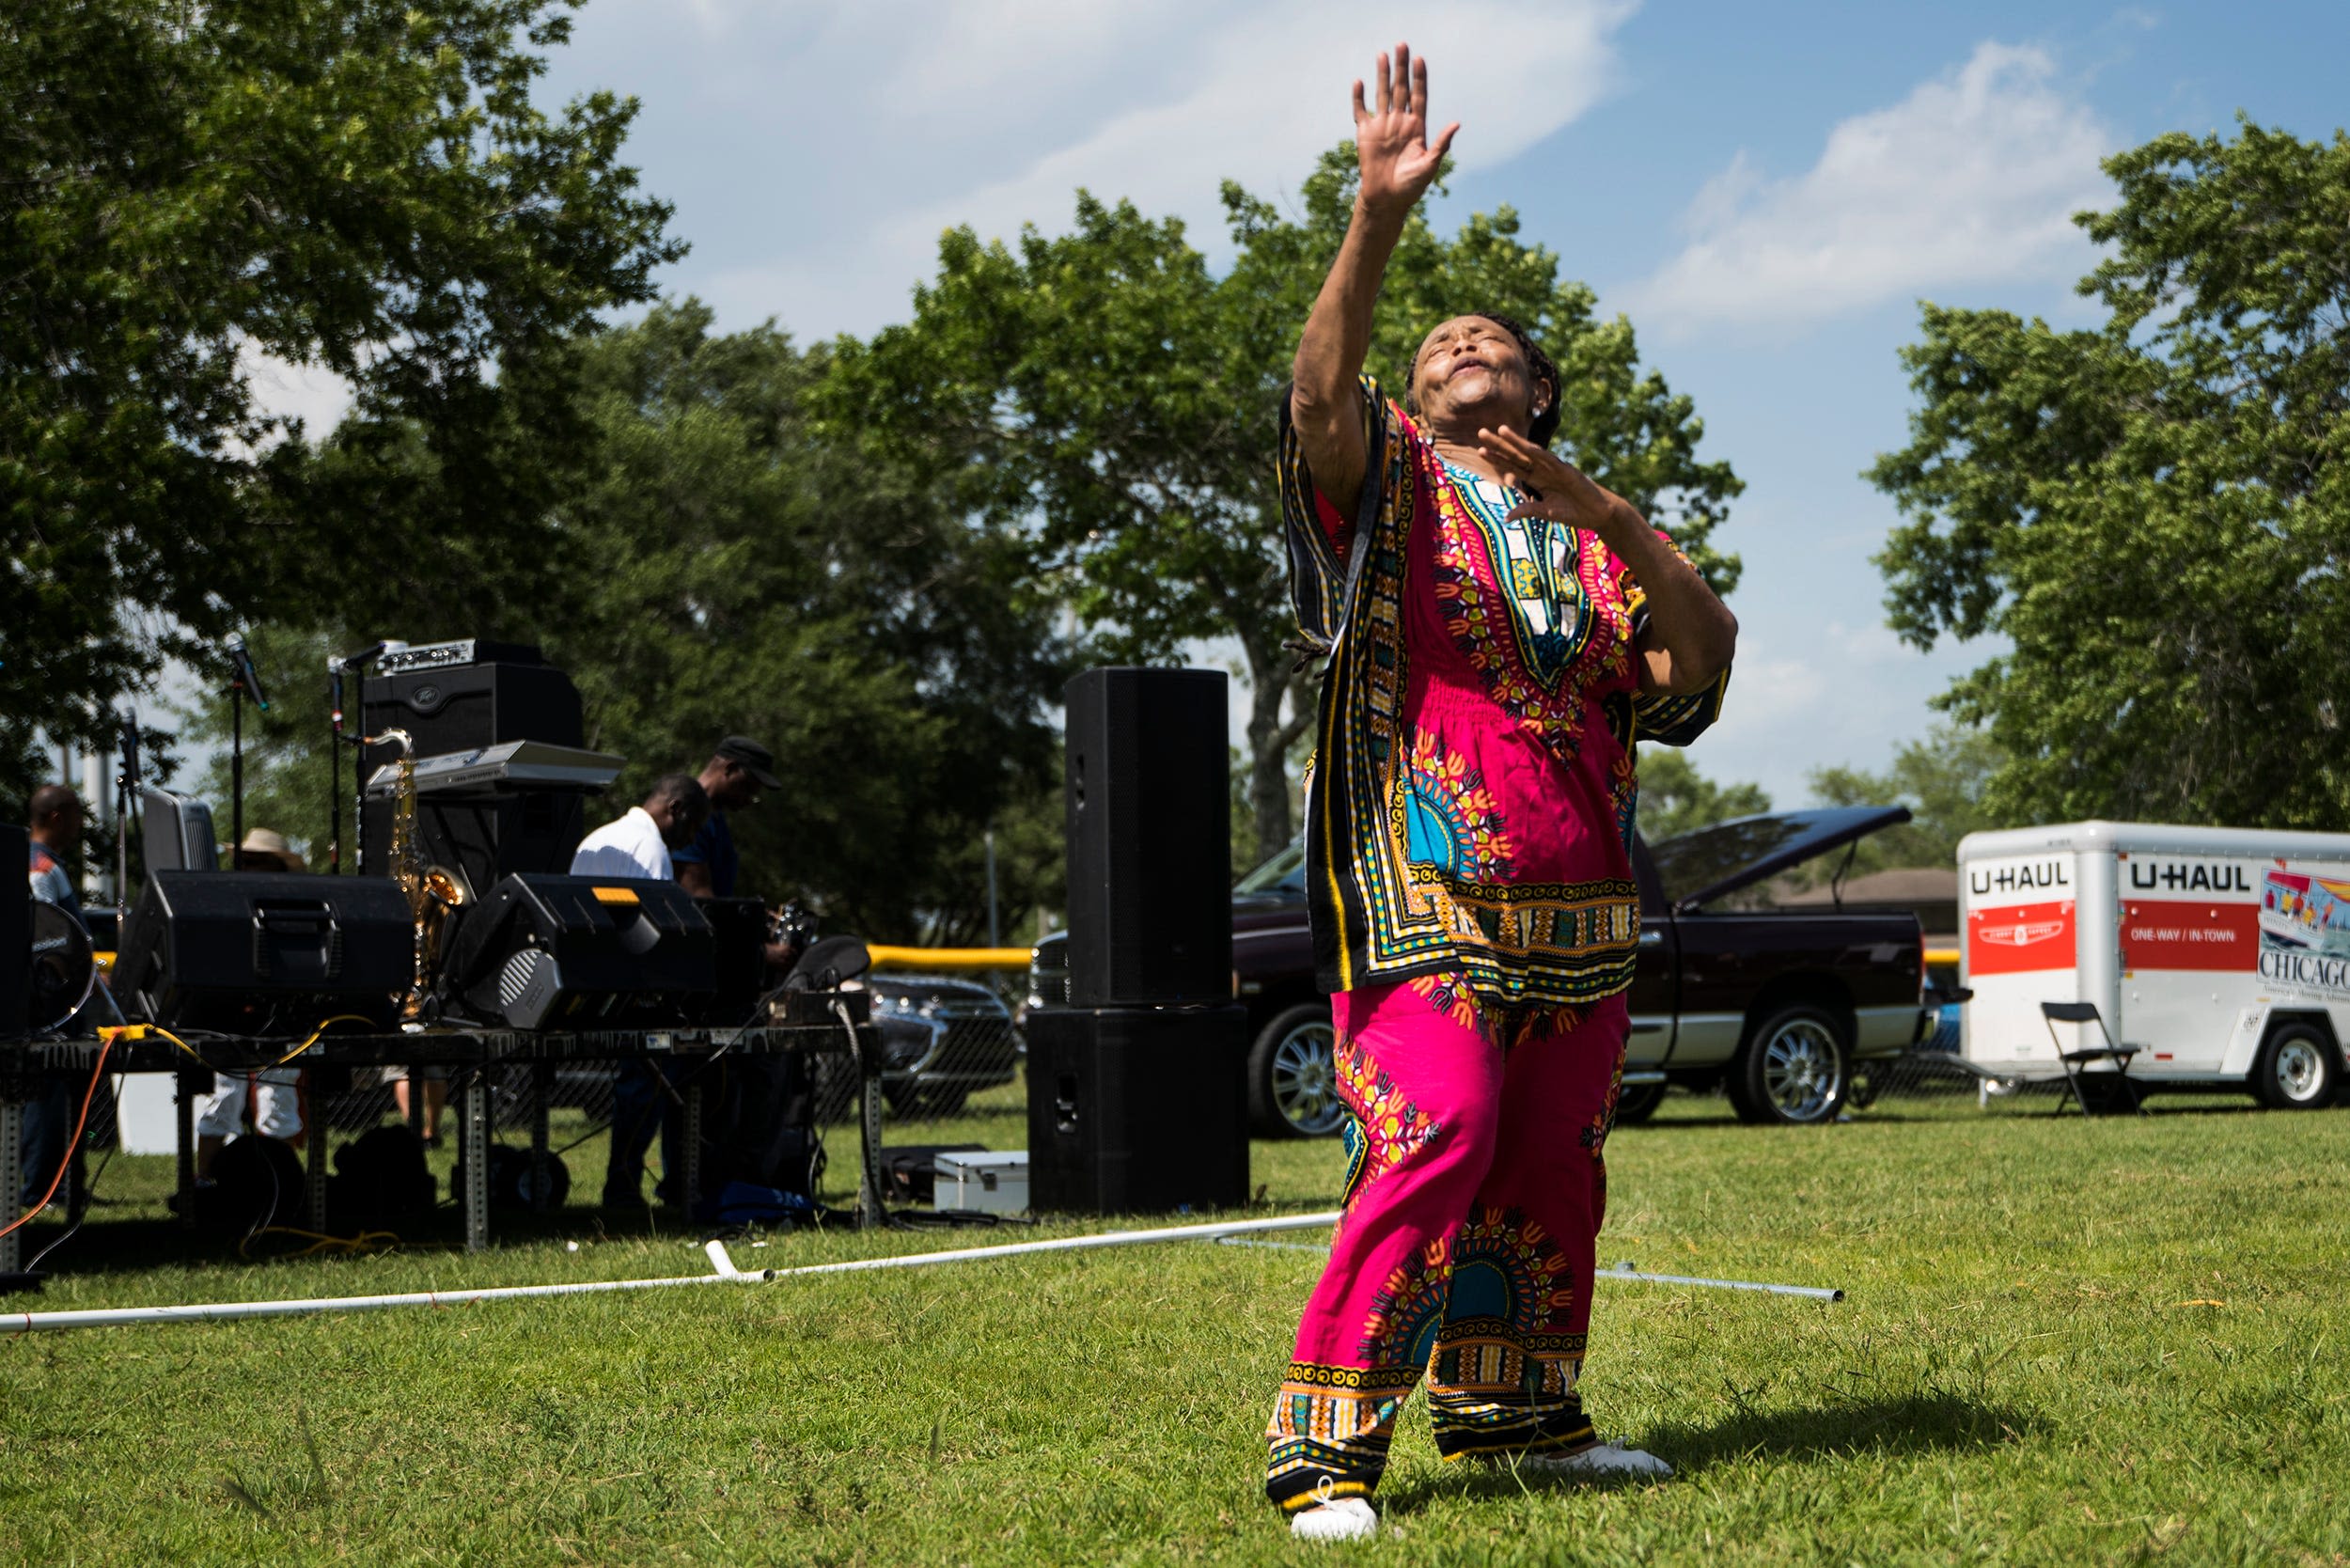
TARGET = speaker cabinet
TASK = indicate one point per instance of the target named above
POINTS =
(468, 706)
(534, 830)
(264, 952)
(462, 708)
(544, 952)
(16, 938)
(1136, 1111)
(1150, 838)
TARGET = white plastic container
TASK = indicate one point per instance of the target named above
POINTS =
(2197, 944)
(993, 1181)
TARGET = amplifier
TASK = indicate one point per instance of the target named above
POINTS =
(544, 951)
(1137, 1109)
(264, 952)
(467, 707)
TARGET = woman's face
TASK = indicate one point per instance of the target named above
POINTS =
(1470, 372)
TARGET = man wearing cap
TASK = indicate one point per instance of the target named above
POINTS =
(737, 771)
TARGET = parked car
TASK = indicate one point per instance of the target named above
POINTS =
(1776, 1006)
(943, 1039)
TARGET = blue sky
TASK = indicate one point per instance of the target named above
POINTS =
(1765, 190)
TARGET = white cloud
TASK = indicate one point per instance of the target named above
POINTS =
(1264, 95)
(816, 153)
(1971, 180)
(311, 393)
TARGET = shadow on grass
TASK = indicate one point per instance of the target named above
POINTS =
(1915, 1423)
(1912, 1423)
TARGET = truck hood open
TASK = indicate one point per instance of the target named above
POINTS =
(1697, 868)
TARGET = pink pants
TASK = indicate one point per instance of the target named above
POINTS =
(1474, 1193)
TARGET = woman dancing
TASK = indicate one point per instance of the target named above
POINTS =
(1500, 632)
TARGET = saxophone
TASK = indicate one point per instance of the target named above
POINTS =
(432, 891)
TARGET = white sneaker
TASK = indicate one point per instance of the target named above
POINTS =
(1343, 1520)
(1601, 1459)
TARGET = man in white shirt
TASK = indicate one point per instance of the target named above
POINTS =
(638, 844)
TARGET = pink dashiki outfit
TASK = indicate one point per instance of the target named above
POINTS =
(1469, 821)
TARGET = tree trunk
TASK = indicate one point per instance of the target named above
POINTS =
(1269, 741)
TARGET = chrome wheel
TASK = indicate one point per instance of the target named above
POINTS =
(1303, 1077)
(1792, 1071)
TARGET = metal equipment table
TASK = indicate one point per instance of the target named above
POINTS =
(816, 1023)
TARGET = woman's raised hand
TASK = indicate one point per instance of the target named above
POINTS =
(1557, 489)
(1391, 143)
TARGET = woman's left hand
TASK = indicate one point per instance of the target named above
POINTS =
(1555, 489)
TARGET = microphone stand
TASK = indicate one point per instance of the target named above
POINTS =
(236, 765)
(126, 793)
(335, 770)
(243, 678)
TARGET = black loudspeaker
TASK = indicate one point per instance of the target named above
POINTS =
(16, 938)
(469, 706)
(581, 952)
(486, 840)
(1134, 1110)
(1150, 837)
(463, 708)
(264, 952)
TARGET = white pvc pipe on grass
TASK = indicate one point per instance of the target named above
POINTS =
(726, 1272)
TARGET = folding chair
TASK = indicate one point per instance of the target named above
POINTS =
(2120, 1091)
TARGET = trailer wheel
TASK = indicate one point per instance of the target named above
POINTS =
(2297, 1069)
(1636, 1102)
(1793, 1072)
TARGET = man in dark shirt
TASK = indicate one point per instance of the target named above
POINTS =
(707, 867)
(737, 771)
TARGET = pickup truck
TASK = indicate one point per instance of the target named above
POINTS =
(1778, 1007)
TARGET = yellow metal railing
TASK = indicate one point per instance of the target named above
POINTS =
(1940, 958)
(947, 958)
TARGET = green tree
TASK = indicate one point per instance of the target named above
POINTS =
(1675, 798)
(726, 572)
(1943, 779)
(1108, 393)
(2153, 513)
(362, 185)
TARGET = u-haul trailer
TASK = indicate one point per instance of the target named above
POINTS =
(2222, 953)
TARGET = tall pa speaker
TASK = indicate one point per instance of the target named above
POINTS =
(1150, 838)
(16, 939)
(1134, 1110)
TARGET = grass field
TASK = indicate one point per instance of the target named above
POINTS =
(2064, 1342)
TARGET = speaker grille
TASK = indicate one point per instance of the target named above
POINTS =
(1150, 837)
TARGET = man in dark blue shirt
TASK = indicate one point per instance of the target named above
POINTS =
(737, 771)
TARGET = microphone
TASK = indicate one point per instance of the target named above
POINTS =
(127, 735)
(245, 672)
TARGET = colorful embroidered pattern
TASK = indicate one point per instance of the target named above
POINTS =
(1452, 823)
(1383, 1128)
(1535, 670)
(1331, 1429)
(1502, 1370)
(1472, 790)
